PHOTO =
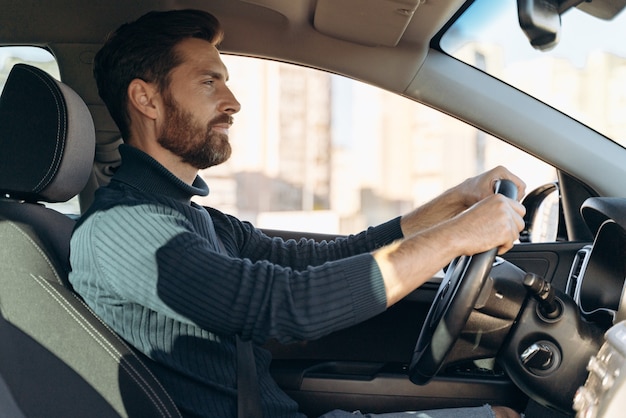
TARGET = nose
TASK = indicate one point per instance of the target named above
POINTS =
(229, 104)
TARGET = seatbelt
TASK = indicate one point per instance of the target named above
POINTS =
(248, 396)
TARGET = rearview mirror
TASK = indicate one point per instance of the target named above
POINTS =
(541, 22)
(541, 19)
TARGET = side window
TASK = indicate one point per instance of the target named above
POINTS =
(318, 152)
(35, 56)
(41, 58)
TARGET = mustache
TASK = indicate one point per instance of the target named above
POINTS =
(223, 118)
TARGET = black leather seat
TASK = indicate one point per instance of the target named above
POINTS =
(57, 359)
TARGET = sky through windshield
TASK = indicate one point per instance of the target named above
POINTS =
(591, 56)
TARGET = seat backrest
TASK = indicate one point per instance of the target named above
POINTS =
(57, 359)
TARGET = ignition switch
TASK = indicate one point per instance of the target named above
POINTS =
(541, 357)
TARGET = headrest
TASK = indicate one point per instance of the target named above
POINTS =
(47, 138)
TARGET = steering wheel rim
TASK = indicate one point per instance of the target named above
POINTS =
(453, 304)
(455, 299)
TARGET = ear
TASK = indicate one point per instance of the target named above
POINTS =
(141, 97)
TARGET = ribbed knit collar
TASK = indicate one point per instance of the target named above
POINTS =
(141, 171)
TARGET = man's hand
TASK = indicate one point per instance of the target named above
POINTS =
(494, 222)
(457, 199)
(477, 188)
(491, 222)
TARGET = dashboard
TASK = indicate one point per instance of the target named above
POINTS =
(596, 283)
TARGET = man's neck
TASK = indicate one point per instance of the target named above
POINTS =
(141, 171)
(169, 160)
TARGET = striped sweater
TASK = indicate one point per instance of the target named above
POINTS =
(179, 281)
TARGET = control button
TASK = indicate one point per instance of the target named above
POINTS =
(585, 402)
(596, 367)
(599, 369)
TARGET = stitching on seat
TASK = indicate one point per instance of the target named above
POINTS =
(130, 350)
(143, 384)
(38, 248)
(127, 347)
(112, 351)
(52, 170)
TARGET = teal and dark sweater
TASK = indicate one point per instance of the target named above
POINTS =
(179, 281)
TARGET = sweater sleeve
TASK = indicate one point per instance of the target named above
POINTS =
(301, 254)
(154, 258)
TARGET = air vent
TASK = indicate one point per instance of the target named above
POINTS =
(577, 272)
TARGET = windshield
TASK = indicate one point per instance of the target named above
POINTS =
(584, 75)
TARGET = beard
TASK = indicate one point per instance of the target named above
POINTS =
(194, 143)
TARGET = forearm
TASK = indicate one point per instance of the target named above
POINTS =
(407, 264)
(495, 222)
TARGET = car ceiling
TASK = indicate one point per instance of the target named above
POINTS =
(264, 28)
(86, 22)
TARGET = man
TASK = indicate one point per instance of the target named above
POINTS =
(181, 282)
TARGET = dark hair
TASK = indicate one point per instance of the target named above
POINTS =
(145, 49)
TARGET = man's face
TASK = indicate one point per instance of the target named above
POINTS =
(198, 107)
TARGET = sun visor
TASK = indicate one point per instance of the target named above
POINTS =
(603, 9)
(371, 22)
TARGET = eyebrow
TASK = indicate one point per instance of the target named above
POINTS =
(215, 74)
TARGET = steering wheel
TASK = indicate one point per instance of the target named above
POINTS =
(452, 306)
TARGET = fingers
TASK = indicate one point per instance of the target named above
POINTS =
(494, 222)
(512, 222)
(501, 173)
(478, 188)
(509, 241)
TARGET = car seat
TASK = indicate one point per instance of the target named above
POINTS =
(57, 359)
